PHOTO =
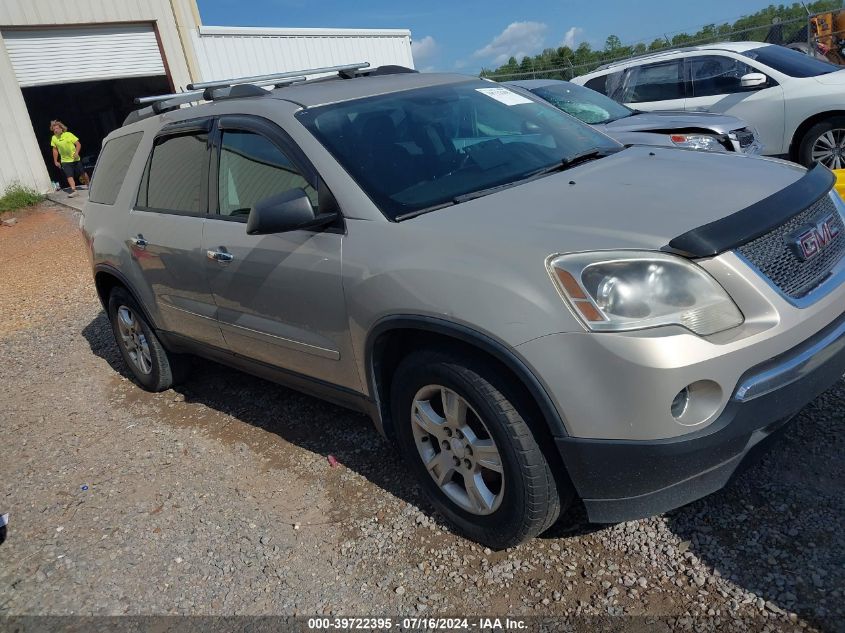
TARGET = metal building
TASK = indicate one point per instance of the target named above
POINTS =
(238, 52)
(84, 62)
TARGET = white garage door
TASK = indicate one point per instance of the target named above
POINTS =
(67, 55)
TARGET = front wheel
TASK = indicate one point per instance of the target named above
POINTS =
(824, 143)
(471, 449)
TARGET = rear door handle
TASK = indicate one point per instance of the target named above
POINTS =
(139, 242)
(220, 256)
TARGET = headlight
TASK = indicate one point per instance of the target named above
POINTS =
(629, 290)
(697, 141)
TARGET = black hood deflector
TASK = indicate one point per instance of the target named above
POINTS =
(758, 219)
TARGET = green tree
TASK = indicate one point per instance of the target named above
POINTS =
(612, 43)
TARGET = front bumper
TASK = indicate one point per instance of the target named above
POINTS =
(621, 480)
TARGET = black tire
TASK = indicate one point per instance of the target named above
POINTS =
(530, 501)
(813, 134)
(163, 367)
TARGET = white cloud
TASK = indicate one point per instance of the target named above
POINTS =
(424, 49)
(572, 36)
(517, 40)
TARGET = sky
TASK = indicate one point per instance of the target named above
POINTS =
(467, 35)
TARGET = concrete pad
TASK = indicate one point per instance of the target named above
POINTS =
(61, 197)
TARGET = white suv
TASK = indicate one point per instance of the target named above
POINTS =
(796, 102)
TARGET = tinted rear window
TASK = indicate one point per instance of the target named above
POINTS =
(176, 174)
(653, 82)
(112, 166)
(599, 84)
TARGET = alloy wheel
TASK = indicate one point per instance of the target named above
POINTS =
(829, 149)
(133, 339)
(457, 449)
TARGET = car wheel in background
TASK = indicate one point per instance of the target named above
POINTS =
(465, 438)
(824, 143)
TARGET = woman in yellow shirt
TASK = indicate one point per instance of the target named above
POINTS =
(66, 146)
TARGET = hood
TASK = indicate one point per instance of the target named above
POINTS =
(675, 121)
(832, 79)
(639, 198)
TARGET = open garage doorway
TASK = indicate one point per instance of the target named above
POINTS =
(90, 109)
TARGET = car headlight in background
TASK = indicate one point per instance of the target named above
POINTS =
(629, 290)
(697, 141)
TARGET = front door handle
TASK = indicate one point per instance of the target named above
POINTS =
(220, 256)
(139, 242)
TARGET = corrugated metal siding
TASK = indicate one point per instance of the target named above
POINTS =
(224, 53)
(53, 56)
(20, 160)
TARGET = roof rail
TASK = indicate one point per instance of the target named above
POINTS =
(240, 87)
(177, 98)
(269, 78)
(625, 60)
(662, 51)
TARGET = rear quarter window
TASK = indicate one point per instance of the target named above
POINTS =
(599, 84)
(112, 166)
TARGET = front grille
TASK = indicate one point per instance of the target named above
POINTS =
(774, 256)
(744, 138)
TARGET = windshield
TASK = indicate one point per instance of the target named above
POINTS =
(417, 149)
(791, 62)
(585, 104)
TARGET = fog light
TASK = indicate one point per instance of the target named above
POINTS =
(679, 404)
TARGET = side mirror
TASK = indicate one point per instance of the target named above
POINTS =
(752, 81)
(288, 211)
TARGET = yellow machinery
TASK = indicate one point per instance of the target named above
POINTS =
(840, 181)
(828, 32)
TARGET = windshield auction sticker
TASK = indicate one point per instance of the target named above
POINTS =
(503, 95)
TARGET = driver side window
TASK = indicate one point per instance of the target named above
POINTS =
(716, 75)
(253, 168)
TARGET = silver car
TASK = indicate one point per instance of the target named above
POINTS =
(531, 311)
(691, 130)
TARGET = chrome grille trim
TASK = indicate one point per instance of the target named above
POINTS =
(773, 257)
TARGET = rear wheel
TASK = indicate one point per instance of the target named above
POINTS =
(151, 365)
(466, 440)
(824, 143)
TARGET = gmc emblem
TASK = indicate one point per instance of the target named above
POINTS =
(812, 239)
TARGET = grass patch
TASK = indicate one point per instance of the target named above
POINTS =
(17, 196)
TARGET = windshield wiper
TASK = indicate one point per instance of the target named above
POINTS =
(563, 164)
(571, 161)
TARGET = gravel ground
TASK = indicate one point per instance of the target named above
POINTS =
(217, 498)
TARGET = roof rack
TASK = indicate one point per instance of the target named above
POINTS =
(240, 87)
(177, 98)
(269, 78)
(200, 90)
